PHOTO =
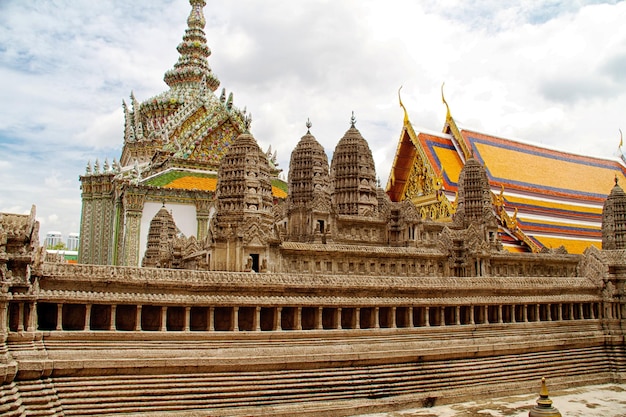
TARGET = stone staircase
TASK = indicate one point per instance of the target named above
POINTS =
(307, 373)
(220, 393)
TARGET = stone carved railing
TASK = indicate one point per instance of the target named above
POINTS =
(160, 277)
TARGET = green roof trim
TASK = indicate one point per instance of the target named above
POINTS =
(280, 184)
(168, 177)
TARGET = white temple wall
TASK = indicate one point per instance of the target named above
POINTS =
(184, 216)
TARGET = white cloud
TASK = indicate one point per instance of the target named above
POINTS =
(546, 71)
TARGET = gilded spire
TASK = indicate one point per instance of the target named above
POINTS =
(192, 66)
(544, 406)
(443, 98)
(406, 115)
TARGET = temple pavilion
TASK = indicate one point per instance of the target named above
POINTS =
(543, 198)
(173, 145)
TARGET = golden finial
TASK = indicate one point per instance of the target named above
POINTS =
(308, 125)
(544, 406)
(443, 98)
(352, 120)
(406, 115)
(621, 139)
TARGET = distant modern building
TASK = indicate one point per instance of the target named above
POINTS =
(53, 238)
(72, 241)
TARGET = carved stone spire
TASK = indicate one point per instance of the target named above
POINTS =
(308, 169)
(474, 198)
(614, 220)
(192, 66)
(353, 176)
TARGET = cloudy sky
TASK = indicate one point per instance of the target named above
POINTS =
(551, 72)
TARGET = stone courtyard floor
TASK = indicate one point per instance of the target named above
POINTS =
(592, 401)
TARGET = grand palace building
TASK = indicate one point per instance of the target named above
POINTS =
(208, 285)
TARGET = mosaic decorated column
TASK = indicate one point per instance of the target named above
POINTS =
(202, 218)
(133, 206)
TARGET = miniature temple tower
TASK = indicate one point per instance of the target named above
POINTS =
(308, 202)
(614, 220)
(353, 176)
(243, 227)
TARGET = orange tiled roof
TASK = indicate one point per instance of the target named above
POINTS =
(194, 183)
(558, 195)
(204, 182)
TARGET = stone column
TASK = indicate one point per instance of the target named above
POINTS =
(525, 318)
(471, 313)
(513, 319)
(32, 317)
(357, 318)
(486, 314)
(235, 318)
(211, 319)
(591, 312)
(298, 318)
(549, 312)
(426, 317)
(138, 318)
(442, 316)
(393, 318)
(537, 312)
(187, 326)
(20, 317)
(500, 313)
(377, 317)
(319, 321)
(163, 327)
(581, 312)
(560, 315)
(4, 319)
(457, 315)
(278, 326)
(87, 317)
(571, 311)
(338, 319)
(112, 325)
(256, 323)
(59, 317)
(410, 318)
